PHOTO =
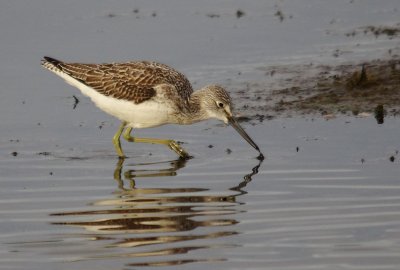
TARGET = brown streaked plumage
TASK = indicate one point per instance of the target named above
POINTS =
(147, 94)
(133, 81)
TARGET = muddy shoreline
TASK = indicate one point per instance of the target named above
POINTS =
(358, 89)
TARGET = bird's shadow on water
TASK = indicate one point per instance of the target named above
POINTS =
(164, 221)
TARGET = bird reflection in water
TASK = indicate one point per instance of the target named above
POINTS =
(131, 174)
(139, 222)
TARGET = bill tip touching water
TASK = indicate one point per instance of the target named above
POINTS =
(146, 94)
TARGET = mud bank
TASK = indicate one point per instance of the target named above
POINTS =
(356, 89)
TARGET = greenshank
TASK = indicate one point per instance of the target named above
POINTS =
(147, 94)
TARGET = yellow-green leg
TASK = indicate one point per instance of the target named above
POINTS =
(170, 143)
(117, 141)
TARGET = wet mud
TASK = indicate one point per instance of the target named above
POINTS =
(351, 89)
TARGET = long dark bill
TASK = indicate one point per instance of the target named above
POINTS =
(243, 133)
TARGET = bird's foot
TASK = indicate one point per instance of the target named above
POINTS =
(179, 150)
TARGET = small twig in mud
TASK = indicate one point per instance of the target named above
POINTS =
(363, 76)
(379, 114)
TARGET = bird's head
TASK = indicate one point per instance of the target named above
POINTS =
(218, 104)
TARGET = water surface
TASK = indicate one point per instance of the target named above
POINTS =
(327, 195)
(321, 199)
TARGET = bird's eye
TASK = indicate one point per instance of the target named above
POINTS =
(220, 104)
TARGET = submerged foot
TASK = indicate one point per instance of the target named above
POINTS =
(173, 145)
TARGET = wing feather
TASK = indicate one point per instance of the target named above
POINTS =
(134, 81)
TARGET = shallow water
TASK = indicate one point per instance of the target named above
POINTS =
(320, 207)
(327, 195)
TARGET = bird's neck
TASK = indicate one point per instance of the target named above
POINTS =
(195, 111)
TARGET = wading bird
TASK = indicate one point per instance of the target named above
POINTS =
(147, 94)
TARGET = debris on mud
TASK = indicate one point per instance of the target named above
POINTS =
(346, 88)
(380, 113)
(389, 31)
(353, 89)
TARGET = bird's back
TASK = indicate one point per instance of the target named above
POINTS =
(133, 81)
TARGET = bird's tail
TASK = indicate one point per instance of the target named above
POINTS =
(51, 64)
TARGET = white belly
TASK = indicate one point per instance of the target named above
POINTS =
(144, 115)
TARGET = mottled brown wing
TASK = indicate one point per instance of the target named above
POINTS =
(168, 75)
(109, 80)
(134, 81)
